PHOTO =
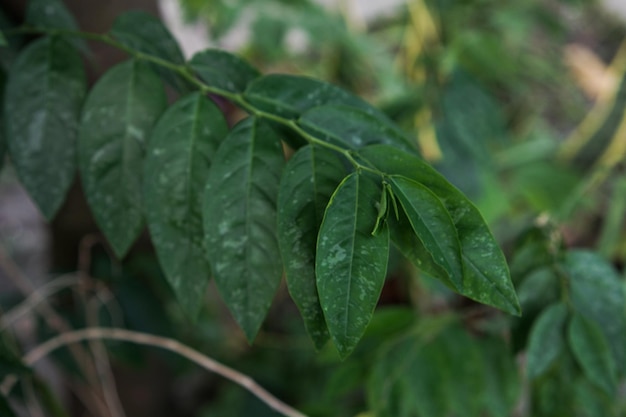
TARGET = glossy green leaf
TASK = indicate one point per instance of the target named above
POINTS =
(291, 95)
(351, 263)
(145, 33)
(116, 121)
(406, 241)
(352, 127)
(593, 353)
(52, 14)
(180, 150)
(240, 221)
(309, 180)
(597, 292)
(546, 340)
(44, 94)
(432, 224)
(222, 70)
(486, 275)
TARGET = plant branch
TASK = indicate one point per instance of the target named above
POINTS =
(35, 298)
(188, 75)
(51, 317)
(101, 333)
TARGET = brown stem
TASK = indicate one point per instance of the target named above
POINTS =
(96, 333)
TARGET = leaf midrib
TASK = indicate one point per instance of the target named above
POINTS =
(351, 253)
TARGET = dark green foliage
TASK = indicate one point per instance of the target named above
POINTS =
(440, 370)
(223, 71)
(180, 152)
(240, 221)
(335, 249)
(225, 202)
(145, 33)
(311, 176)
(235, 204)
(44, 94)
(116, 122)
(351, 262)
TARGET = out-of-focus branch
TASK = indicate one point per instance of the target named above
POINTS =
(36, 297)
(99, 333)
(52, 318)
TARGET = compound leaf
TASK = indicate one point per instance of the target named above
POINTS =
(310, 178)
(222, 70)
(432, 224)
(351, 263)
(43, 101)
(116, 121)
(145, 33)
(180, 150)
(486, 275)
(593, 353)
(546, 340)
(240, 221)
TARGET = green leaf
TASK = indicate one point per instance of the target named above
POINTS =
(591, 401)
(240, 221)
(180, 150)
(145, 33)
(502, 379)
(291, 95)
(352, 127)
(546, 340)
(52, 14)
(593, 353)
(597, 292)
(222, 70)
(43, 101)
(351, 263)
(387, 384)
(406, 241)
(463, 364)
(3, 40)
(486, 275)
(432, 224)
(309, 180)
(116, 121)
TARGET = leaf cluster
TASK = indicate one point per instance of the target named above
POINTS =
(224, 202)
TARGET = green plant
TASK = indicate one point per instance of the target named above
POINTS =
(319, 186)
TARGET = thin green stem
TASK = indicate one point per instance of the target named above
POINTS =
(184, 72)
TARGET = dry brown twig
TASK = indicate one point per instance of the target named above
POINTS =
(53, 319)
(101, 333)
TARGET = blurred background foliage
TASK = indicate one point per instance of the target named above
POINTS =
(521, 106)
